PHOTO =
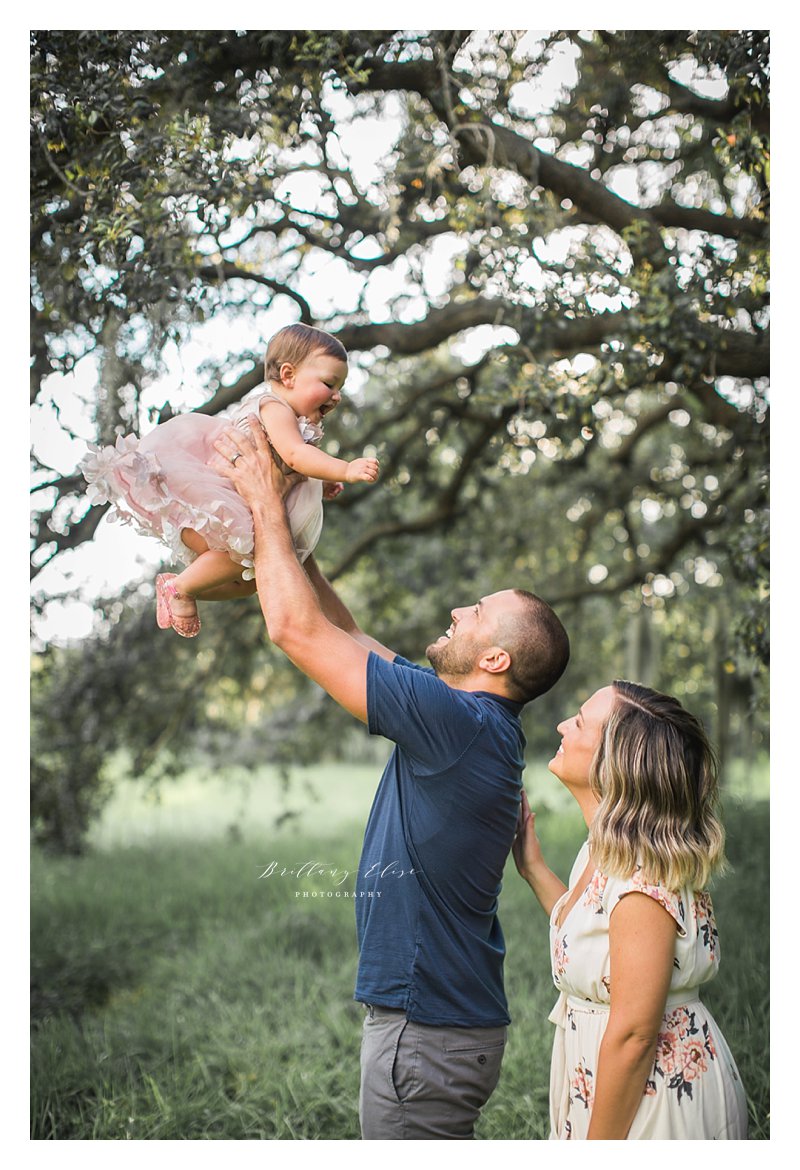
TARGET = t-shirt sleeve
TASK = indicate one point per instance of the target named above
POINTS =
(408, 704)
(672, 901)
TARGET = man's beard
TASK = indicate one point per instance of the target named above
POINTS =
(453, 659)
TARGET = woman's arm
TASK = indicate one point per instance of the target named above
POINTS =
(642, 948)
(280, 423)
(531, 864)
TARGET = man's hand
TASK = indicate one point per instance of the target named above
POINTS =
(246, 459)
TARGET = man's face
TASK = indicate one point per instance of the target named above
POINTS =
(474, 628)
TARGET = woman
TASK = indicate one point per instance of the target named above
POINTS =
(636, 1053)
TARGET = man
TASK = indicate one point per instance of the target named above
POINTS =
(442, 822)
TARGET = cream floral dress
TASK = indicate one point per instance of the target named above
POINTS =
(693, 1090)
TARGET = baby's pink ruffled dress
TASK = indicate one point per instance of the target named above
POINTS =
(163, 484)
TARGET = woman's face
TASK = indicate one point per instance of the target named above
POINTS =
(580, 739)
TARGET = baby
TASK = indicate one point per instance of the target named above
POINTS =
(165, 485)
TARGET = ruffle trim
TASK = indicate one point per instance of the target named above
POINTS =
(309, 432)
(115, 472)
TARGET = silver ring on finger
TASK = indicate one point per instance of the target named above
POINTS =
(238, 455)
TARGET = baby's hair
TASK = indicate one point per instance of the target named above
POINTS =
(294, 344)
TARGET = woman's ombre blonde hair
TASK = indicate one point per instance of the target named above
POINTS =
(655, 775)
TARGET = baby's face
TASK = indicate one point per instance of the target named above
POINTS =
(315, 385)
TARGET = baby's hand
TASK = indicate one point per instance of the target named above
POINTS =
(362, 471)
(331, 490)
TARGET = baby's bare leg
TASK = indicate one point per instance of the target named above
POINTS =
(228, 592)
(212, 568)
(213, 576)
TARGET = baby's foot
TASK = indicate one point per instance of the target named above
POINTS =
(184, 614)
(181, 608)
(163, 616)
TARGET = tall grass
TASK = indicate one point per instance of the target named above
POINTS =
(178, 994)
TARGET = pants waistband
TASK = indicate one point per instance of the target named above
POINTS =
(374, 1010)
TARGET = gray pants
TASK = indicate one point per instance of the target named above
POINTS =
(419, 1082)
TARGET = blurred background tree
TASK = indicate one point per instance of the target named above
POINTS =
(555, 297)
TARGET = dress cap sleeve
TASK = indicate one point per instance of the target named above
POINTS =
(673, 901)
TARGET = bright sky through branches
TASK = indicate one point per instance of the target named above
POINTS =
(117, 554)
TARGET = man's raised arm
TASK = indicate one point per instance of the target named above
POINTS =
(337, 612)
(294, 614)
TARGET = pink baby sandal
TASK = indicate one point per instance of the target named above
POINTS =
(187, 627)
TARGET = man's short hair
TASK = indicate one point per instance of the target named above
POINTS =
(538, 645)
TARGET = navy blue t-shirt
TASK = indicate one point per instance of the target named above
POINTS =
(435, 845)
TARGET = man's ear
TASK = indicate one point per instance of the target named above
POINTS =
(286, 374)
(495, 660)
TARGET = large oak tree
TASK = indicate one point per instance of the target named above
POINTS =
(606, 240)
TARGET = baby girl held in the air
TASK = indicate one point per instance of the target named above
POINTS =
(163, 483)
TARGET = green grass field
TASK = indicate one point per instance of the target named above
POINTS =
(179, 994)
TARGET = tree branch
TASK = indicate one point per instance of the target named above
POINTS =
(76, 534)
(730, 352)
(447, 504)
(556, 334)
(481, 140)
(668, 213)
(623, 453)
(718, 111)
(659, 562)
(227, 270)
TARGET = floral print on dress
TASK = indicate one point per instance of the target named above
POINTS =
(593, 897)
(560, 957)
(683, 1053)
(671, 902)
(581, 1086)
(703, 915)
(693, 1089)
